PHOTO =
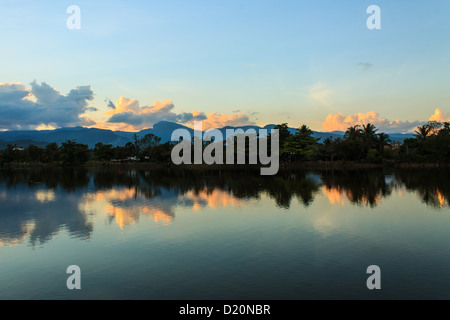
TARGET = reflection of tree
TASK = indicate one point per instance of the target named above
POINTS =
(362, 187)
(298, 184)
(40, 203)
(67, 179)
(245, 184)
(431, 185)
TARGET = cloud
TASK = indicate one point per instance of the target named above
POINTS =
(320, 93)
(339, 122)
(186, 117)
(128, 114)
(365, 65)
(110, 104)
(217, 120)
(42, 105)
(440, 116)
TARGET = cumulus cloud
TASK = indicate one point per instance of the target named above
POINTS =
(128, 114)
(339, 122)
(440, 116)
(42, 105)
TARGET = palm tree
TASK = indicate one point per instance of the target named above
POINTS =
(369, 130)
(353, 133)
(422, 132)
(354, 143)
(370, 137)
(383, 140)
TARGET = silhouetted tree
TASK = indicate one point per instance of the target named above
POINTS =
(74, 153)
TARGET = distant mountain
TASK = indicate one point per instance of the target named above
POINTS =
(163, 129)
(400, 137)
(89, 136)
(22, 143)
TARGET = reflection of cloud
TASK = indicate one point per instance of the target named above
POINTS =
(335, 196)
(113, 194)
(36, 215)
(26, 230)
(45, 196)
(363, 199)
(126, 207)
(120, 204)
(324, 224)
(441, 198)
(213, 199)
(129, 216)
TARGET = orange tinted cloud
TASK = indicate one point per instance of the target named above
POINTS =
(216, 120)
(440, 116)
(339, 122)
(127, 114)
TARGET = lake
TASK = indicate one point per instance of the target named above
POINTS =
(224, 234)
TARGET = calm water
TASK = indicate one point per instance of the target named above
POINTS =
(224, 235)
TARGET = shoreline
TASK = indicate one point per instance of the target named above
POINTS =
(344, 165)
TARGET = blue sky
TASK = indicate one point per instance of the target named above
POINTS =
(226, 62)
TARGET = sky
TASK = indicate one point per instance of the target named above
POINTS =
(134, 63)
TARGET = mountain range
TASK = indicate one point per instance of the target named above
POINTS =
(163, 129)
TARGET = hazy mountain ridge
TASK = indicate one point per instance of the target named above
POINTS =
(163, 129)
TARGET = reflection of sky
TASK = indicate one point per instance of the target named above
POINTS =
(125, 206)
(164, 239)
(39, 214)
(36, 214)
(339, 196)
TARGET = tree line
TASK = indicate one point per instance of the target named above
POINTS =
(360, 143)
(149, 148)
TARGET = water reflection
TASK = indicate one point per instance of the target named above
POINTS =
(432, 187)
(38, 204)
(363, 188)
(125, 206)
(40, 214)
